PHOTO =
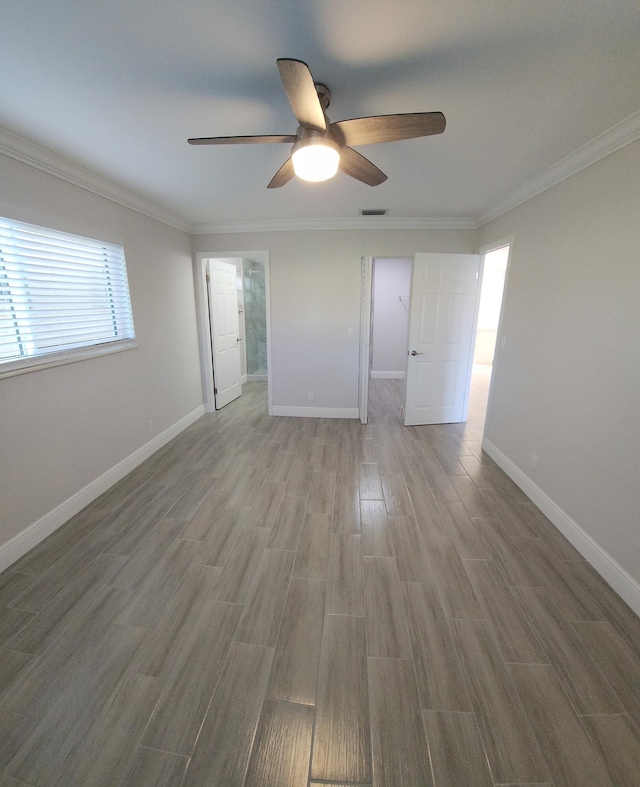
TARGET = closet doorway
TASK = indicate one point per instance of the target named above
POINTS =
(390, 317)
(384, 327)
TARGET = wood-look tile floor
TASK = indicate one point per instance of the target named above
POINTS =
(291, 602)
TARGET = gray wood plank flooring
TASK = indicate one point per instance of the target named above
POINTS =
(298, 602)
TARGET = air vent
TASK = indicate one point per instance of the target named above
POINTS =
(373, 212)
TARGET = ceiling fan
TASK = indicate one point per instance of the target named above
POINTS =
(320, 147)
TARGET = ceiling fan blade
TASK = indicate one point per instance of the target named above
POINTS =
(387, 128)
(360, 168)
(256, 140)
(283, 175)
(301, 92)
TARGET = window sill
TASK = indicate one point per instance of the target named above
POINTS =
(23, 366)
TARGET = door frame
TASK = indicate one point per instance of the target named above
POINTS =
(366, 327)
(366, 295)
(202, 317)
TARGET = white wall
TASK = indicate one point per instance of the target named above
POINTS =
(392, 280)
(64, 427)
(567, 385)
(315, 299)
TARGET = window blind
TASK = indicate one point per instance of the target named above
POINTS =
(61, 297)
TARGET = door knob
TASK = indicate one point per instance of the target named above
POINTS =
(413, 352)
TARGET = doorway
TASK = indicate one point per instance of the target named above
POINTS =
(254, 296)
(483, 328)
(390, 316)
(495, 261)
(259, 318)
(386, 284)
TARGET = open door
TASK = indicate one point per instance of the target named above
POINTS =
(223, 315)
(442, 316)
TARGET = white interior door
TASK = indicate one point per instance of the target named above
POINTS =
(225, 344)
(442, 316)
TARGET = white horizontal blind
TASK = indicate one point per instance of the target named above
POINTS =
(60, 294)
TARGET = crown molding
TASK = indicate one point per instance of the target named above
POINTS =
(617, 137)
(22, 149)
(364, 223)
(28, 152)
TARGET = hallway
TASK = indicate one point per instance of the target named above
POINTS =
(305, 602)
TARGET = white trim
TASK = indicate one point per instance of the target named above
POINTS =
(611, 571)
(267, 283)
(387, 375)
(39, 362)
(315, 412)
(204, 334)
(22, 149)
(363, 223)
(32, 535)
(615, 138)
(495, 245)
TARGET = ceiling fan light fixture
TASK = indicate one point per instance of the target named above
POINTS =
(315, 159)
(321, 147)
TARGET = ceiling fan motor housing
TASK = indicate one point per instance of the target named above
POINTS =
(324, 95)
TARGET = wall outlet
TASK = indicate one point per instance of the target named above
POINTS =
(310, 396)
(350, 331)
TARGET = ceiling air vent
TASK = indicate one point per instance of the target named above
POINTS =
(373, 212)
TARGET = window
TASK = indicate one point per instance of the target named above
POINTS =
(62, 298)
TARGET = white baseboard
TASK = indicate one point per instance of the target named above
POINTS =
(387, 375)
(608, 568)
(315, 412)
(32, 535)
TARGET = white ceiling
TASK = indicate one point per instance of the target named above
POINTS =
(119, 86)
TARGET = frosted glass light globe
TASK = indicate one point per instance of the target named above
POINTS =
(315, 162)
